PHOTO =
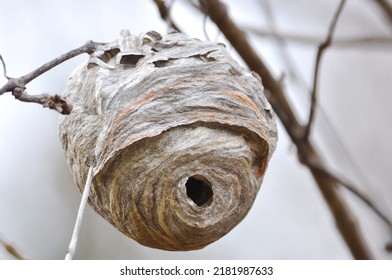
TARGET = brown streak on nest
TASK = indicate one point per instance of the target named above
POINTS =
(128, 110)
(246, 100)
(160, 127)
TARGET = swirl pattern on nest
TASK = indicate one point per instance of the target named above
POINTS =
(178, 133)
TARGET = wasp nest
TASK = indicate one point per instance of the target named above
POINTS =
(178, 133)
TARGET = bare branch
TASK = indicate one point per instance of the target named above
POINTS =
(205, 27)
(386, 6)
(281, 43)
(321, 49)
(164, 11)
(55, 102)
(21, 82)
(4, 67)
(305, 39)
(299, 80)
(83, 203)
(10, 249)
(17, 85)
(354, 190)
(345, 220)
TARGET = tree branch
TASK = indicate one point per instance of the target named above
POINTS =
(18, 85)
(55, 102)
(304, 39)
(164, 11)
(291, 71)
(4, 67)
(388, 247)
(354, 190)
(386, 7)
(345, 220)
(321, 49)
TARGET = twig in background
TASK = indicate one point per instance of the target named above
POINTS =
(310, 40)
(291, 68)
(10, 249)
(164, 12)
(386, 6)
(4, 67)
(353, 189)
(83, 203)
(283, 38)
(321, 49)
(205, 27)
(388, 247)
(344, 218)
(292, 72)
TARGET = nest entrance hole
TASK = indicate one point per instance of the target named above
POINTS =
(199, 190)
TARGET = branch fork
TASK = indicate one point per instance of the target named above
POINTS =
(17, 86)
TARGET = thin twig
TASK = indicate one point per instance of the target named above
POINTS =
(11, 249)
(17, 85)
(309, 40)
(344, 218)
(321, 49)
(21, 82)
(164, 12)
(205, 27)
(281, 44)
(76, 232)
(4, 67)
(353, 189)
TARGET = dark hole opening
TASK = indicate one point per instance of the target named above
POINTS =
(199, 190)
(131, 59)
(162, 63)
(109, 54)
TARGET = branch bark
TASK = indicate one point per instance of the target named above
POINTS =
(344, 218)
(18, 85)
